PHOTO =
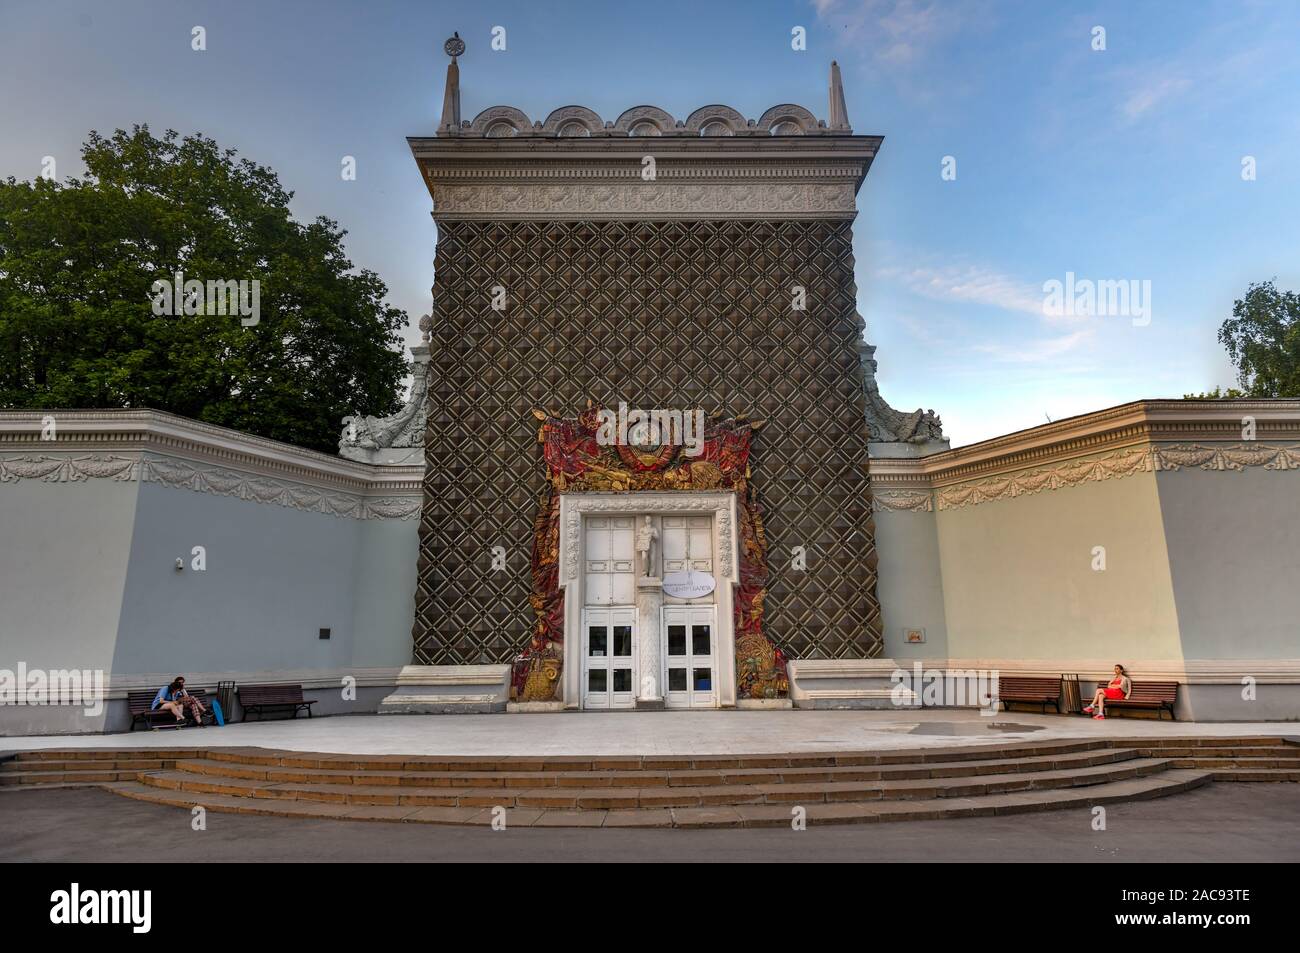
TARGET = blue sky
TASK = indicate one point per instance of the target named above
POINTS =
(1122, 164)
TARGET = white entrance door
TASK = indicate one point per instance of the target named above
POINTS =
(609, 658)
(690, 657)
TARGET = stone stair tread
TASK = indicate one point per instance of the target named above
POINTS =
(1255, 774)
(26, 779)
(107, 754)
(624, 797)
(1289, 764)
(43, 765)
(53, 785)
(1166, 782)
(571, 779)
(1196, 751)
(396, 764)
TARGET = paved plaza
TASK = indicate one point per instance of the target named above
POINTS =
(655, 733)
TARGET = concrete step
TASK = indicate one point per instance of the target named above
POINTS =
(1157, 785)
(1245, 741)
(1256, 774)
(595, 797)
(394, 763)
(691, 777)
(1290, 752)
(106, 754)
(58, 785)
(85, 764)
(27, 779)
(1290, 764)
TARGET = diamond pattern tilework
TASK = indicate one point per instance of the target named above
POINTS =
(660, 315)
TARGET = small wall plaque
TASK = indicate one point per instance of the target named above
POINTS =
(913, 636)
(690, 584)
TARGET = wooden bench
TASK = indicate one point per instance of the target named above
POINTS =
(260, 698)
(139, 704)
(1153, 696)
(1030, 691)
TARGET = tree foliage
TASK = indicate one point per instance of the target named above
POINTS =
(1263, 340)
(77, 323)
(1217, 394)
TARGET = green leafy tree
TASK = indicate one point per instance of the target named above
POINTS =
(1217, 394)
(1263, 340)
(77, 300)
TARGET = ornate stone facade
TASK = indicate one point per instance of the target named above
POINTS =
(657, 314)
(697, 263)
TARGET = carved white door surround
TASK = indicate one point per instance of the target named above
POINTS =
(575, 508)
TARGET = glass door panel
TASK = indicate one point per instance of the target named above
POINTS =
(608, 658)
(690, 657)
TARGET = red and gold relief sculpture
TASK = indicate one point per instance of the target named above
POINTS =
(576, 462)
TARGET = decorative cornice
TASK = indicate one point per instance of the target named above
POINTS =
(1122, 463)
(579, 122)
(154, 447)
(1128, 426)
(660, 200)
(612, 178)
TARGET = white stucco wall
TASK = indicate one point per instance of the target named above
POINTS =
(274, 577)
(1234, 556)
(1018, 581)
(63, 564)
(909, 583)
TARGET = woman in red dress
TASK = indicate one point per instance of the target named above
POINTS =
(1118, 687)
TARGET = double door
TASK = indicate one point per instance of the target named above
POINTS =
(690, 654)
(609, 658)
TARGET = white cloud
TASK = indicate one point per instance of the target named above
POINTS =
(1151, 91)
(969, 284)
(1033, 352)
(893, 31)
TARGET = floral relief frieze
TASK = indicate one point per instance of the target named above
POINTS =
(65, 469)
(1221, 457)
(640, 198)
(894, 501)
(202, 478)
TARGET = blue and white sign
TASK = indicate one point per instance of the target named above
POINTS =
(690, 584)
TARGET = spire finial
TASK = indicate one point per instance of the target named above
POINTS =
(451, 95)
(839, 117)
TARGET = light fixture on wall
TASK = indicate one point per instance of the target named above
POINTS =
(180, 564)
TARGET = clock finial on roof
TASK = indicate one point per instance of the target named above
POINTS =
(450, 124)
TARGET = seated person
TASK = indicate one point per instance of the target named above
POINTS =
(1119, 687)
(175, 699)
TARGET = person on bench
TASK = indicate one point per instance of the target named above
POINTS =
(175, 699)
(1119, 687)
